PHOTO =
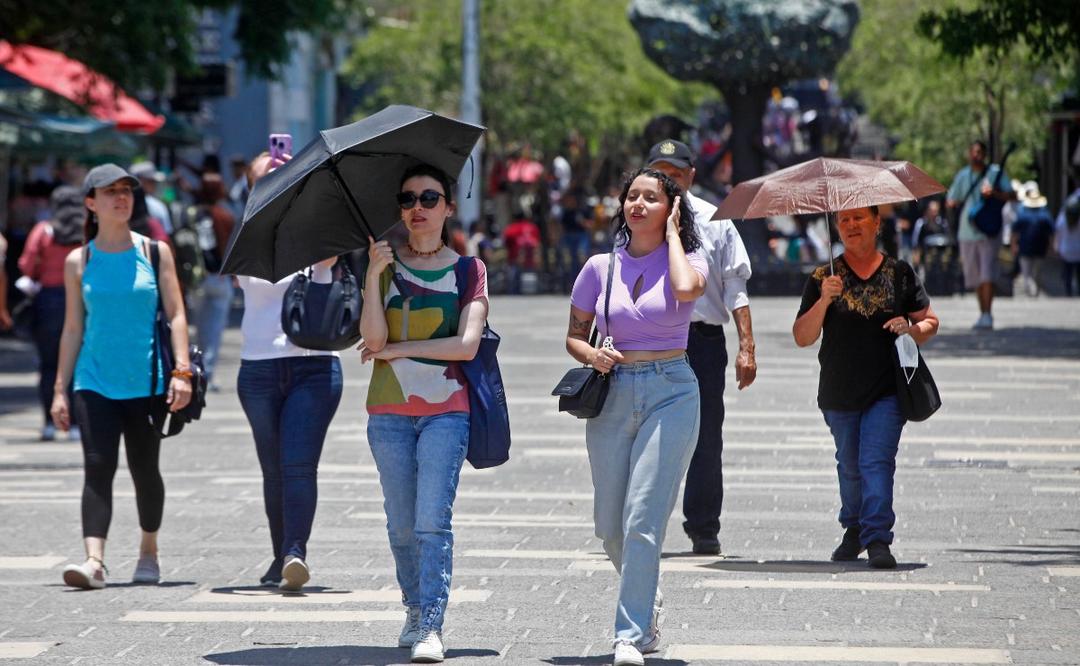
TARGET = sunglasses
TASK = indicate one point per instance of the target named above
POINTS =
(427, 198)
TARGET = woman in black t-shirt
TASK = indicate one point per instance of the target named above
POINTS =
(862, 309)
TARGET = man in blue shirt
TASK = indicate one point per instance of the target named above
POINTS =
(978, 252)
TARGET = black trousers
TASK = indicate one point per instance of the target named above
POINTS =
(704, 493)
(103, 421)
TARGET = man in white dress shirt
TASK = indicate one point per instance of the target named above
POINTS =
(724, 299)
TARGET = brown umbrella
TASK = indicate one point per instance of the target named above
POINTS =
(825, 185)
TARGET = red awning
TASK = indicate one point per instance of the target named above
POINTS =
(69, 78)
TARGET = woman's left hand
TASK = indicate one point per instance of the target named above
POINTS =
(898, 325)
(673, 218)
(384, 354)
(179, 394)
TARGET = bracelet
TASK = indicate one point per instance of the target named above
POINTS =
(182, 374)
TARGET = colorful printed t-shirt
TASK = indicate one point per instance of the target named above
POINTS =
(421, 386)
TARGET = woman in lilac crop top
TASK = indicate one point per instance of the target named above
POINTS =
(641, 443)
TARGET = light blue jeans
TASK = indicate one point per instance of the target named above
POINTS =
(639, 449)
(419, 461)
(212, 316)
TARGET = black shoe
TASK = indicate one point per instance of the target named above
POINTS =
(705, 544)
(849, 547)
(880, 557)
(272, 576)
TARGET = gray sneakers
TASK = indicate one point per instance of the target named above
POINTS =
(428, 648)
(148, 570)
(84, 576)
(627, 654)
(294, 574)
(410, 633)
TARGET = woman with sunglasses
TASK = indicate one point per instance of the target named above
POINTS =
(418, 324)
(112, 295)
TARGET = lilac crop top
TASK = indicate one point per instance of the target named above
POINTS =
(656, 322)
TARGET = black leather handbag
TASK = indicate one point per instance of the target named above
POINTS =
(162, 348)
(582, 391)
(323, 316)
(916, 390)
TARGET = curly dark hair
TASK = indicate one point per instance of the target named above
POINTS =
(687, 229)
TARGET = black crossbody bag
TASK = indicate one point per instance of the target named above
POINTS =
(916, 390)
(582, 391)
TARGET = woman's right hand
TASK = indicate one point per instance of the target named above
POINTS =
(603, 360)
(379, 256)
(831, 288)
(59, 412)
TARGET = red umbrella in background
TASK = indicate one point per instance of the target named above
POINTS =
(827, 185)
(69, 78)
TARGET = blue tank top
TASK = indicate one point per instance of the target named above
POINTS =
(120, 299)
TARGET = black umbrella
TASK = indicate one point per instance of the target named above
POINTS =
(340, 188)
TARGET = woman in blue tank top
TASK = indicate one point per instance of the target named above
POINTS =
(111, 304)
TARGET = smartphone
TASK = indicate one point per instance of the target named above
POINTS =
(280, 146)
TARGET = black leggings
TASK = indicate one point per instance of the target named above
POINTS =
(103, 421)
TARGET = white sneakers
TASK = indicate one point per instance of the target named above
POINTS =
(410, 633)
(84, 576)
(626, 654)
(985, 322)
(148, 570)
(428, 649)
(294, 574)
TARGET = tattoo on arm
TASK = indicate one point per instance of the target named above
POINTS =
(579, 327)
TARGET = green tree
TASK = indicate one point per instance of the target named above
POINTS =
(935, 104)
(138, 43)
(1050, 29)
(547, 67)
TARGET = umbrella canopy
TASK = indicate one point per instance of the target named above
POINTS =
(826, 185)
(340, 188)
(56, 72)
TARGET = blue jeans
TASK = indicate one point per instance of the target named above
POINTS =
(289, 403)
(866, 445)
(419, 460)
(48, 325)
(639, 447)
(212, 316)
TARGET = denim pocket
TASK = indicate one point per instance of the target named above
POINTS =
(679, 374)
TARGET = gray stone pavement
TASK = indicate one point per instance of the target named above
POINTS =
(987, 497)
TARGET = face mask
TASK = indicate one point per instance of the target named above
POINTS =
(908, 353)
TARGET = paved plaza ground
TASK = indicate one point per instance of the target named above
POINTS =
(987, 498)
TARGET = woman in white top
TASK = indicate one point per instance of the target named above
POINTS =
(290, 395)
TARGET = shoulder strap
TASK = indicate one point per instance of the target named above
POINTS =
(972, 188)
(461, 273)
(607, 290)
(155, 260)
(896, 289)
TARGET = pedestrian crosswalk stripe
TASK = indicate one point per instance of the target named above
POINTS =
(801, 653)
(255, 617)
(22, 650)
(1064, 571)
(331, 596)
(1006, 456)
(866, 586)
(31, 561)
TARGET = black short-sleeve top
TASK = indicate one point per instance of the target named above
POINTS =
(856, 354)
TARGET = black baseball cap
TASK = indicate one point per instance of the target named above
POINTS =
(673, 152)
(106, 174)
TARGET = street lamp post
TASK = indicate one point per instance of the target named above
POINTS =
(469, 206)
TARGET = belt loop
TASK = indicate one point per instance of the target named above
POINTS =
(657, 366)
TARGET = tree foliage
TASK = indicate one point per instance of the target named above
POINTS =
(137, 43)
(1050, 29)
(935, 104)
(547, 67)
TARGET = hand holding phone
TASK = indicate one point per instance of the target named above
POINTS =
(280, 147)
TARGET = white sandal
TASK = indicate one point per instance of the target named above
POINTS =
(84, 576)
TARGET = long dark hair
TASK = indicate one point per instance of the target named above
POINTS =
(687, 228)
(438, 174)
